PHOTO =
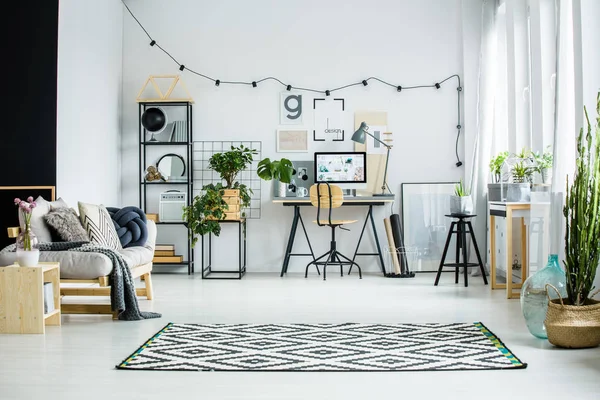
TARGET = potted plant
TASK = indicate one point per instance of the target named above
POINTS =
(494, 188)
(221, 201)
(575, 321)
(281, 170)
(461, 202)
(543, 163)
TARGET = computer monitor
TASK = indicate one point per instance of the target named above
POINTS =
(347, 170)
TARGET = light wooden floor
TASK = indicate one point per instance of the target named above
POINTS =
(76, 361)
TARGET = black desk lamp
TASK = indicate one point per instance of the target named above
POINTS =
(359, 137)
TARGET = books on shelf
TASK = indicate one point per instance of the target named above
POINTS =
(48, 297)
(179, 133)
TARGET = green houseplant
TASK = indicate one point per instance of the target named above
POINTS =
(496, 166)
(575, 321)
(543, 163)
(216, 200)
(281, 170)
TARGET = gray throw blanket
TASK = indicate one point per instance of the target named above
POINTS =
(122, 293)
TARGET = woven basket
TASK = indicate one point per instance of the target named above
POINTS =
(574, 327)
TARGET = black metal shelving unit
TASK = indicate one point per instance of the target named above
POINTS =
(144, 144)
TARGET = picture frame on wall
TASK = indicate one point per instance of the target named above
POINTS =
(292, 141)
(290, 108)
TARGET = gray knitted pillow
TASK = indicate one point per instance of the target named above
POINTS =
(65, 223)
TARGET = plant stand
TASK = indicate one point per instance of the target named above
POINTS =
(207, 270)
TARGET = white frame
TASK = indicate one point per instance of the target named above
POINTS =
(304, 140)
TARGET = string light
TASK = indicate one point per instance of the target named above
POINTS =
(327, 92)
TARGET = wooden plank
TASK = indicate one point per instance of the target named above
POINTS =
(141, 270)
(164, 253)
(152, 217)
(86, 309)
(103, 281)
(149, 291)
(13, 232)
(51, 273)
(164, 247)
(174, 259)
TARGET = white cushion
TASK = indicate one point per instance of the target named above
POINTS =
(37, 223)
(99, 225)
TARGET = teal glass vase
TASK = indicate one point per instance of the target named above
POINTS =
(534, 300)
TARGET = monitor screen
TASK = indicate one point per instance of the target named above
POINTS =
(342, 167)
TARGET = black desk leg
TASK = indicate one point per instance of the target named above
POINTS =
(290, 244)
(376, 239)
(369, 217)
(458, 247)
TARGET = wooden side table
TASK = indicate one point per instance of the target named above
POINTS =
(509, 211)
(22, 298)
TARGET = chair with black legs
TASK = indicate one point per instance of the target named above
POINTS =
(324, 195)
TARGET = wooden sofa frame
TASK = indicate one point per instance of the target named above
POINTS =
(142, 271)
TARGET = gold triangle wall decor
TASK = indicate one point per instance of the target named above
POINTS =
(152, 85)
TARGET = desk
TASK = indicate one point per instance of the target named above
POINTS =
(508, 210)
(364, 201)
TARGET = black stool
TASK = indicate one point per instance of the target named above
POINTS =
(463, 227)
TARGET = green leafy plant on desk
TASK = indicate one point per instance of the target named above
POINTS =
(208, 208)
(281, 170)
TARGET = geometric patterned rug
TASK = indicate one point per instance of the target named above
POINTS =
(323, 347)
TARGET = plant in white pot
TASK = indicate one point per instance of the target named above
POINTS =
(461, 202)
(574, 322)
(280, 170)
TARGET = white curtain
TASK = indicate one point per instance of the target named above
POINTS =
(486, 89)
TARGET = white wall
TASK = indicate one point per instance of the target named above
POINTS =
(307, 43)
(90, 37)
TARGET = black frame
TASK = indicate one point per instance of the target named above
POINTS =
(188, 183)
(241, 271)
(316, 169)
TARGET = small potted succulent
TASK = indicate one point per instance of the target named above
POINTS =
(495, 187)
(543, 164)
(461, 202)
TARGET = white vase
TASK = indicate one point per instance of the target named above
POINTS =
(282, 189)
(28, 258)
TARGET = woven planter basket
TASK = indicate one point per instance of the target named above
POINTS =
(574, 327)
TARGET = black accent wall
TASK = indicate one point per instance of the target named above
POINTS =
(28, 115)
(28, 145)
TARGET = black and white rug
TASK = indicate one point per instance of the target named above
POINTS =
(323, 347)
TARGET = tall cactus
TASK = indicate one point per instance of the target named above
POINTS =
(582, 213)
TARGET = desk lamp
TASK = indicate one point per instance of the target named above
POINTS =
(359, 137)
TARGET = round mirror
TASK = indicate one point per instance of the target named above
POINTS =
(171, 166)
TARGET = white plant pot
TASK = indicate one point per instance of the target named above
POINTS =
(461, 205)
(28, 258)
(282, 189)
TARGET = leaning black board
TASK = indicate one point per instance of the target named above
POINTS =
(398, 240)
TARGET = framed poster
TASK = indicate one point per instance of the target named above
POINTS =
(290, 109)
(328, 120)
(292, 141)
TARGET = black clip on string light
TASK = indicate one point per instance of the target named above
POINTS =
(327, 92)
